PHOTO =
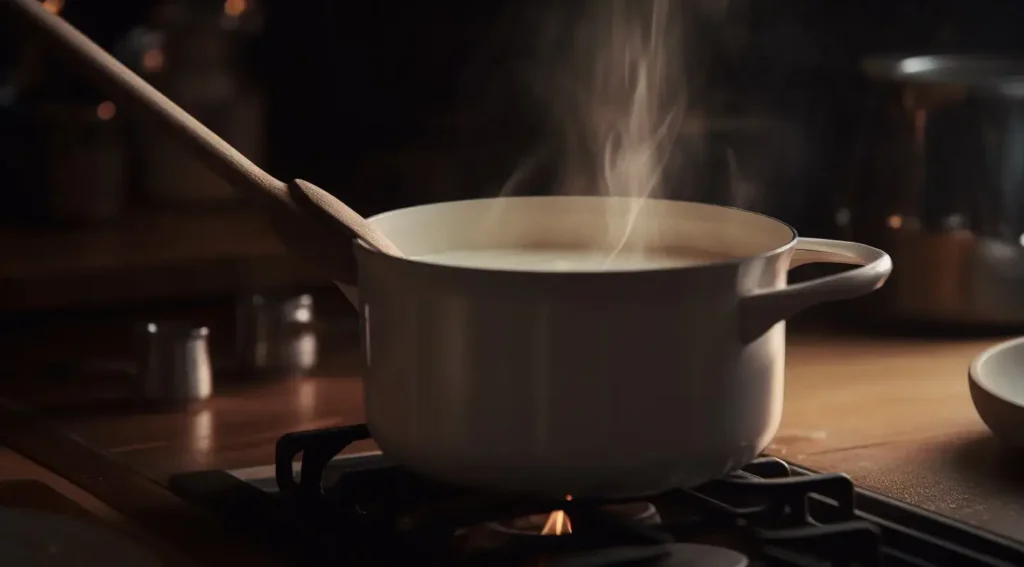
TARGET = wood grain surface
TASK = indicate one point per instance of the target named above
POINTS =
(26, 485)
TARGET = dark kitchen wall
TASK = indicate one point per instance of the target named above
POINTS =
(445, 84)
(367, 98)
(390, 103)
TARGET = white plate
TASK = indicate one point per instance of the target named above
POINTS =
(29, 538)
(996, 379)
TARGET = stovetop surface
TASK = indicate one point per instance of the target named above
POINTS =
(360, 509)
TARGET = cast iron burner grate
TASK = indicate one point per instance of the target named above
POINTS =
(771, 512)
(359, 509)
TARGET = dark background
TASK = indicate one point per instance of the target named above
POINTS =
(345, 80)
(388, 104)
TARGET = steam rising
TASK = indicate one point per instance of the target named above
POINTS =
(622, 84)
(617, 87)
(630, 108)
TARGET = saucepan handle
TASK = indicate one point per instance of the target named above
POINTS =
(761, 310)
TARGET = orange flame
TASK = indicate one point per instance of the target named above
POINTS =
(558, 522)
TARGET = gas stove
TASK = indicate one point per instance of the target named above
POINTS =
(360, 509)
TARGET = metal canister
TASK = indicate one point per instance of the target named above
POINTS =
(174, 365)
(938, 183)
(276, 334)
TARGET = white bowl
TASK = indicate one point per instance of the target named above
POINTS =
(996, 379)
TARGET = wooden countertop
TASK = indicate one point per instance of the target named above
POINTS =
(26, 485)
(893, 413)
(896, 415)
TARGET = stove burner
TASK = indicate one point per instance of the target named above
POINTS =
(669, 555)
(643, 513)
(370, 511)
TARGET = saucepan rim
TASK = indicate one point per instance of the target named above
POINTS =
(733, 262)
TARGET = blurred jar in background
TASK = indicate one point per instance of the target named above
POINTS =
(86, 170)
(194, 52)
(62, 150)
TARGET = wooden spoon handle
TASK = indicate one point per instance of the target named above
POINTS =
(320, 203)
(128, 88)
(311, 222)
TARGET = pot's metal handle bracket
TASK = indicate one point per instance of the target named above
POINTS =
(350, 292)
(762, 310)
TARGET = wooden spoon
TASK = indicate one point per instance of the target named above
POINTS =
(311, 222)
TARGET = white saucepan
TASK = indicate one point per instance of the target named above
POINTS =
(592, 383)
(663, 368)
